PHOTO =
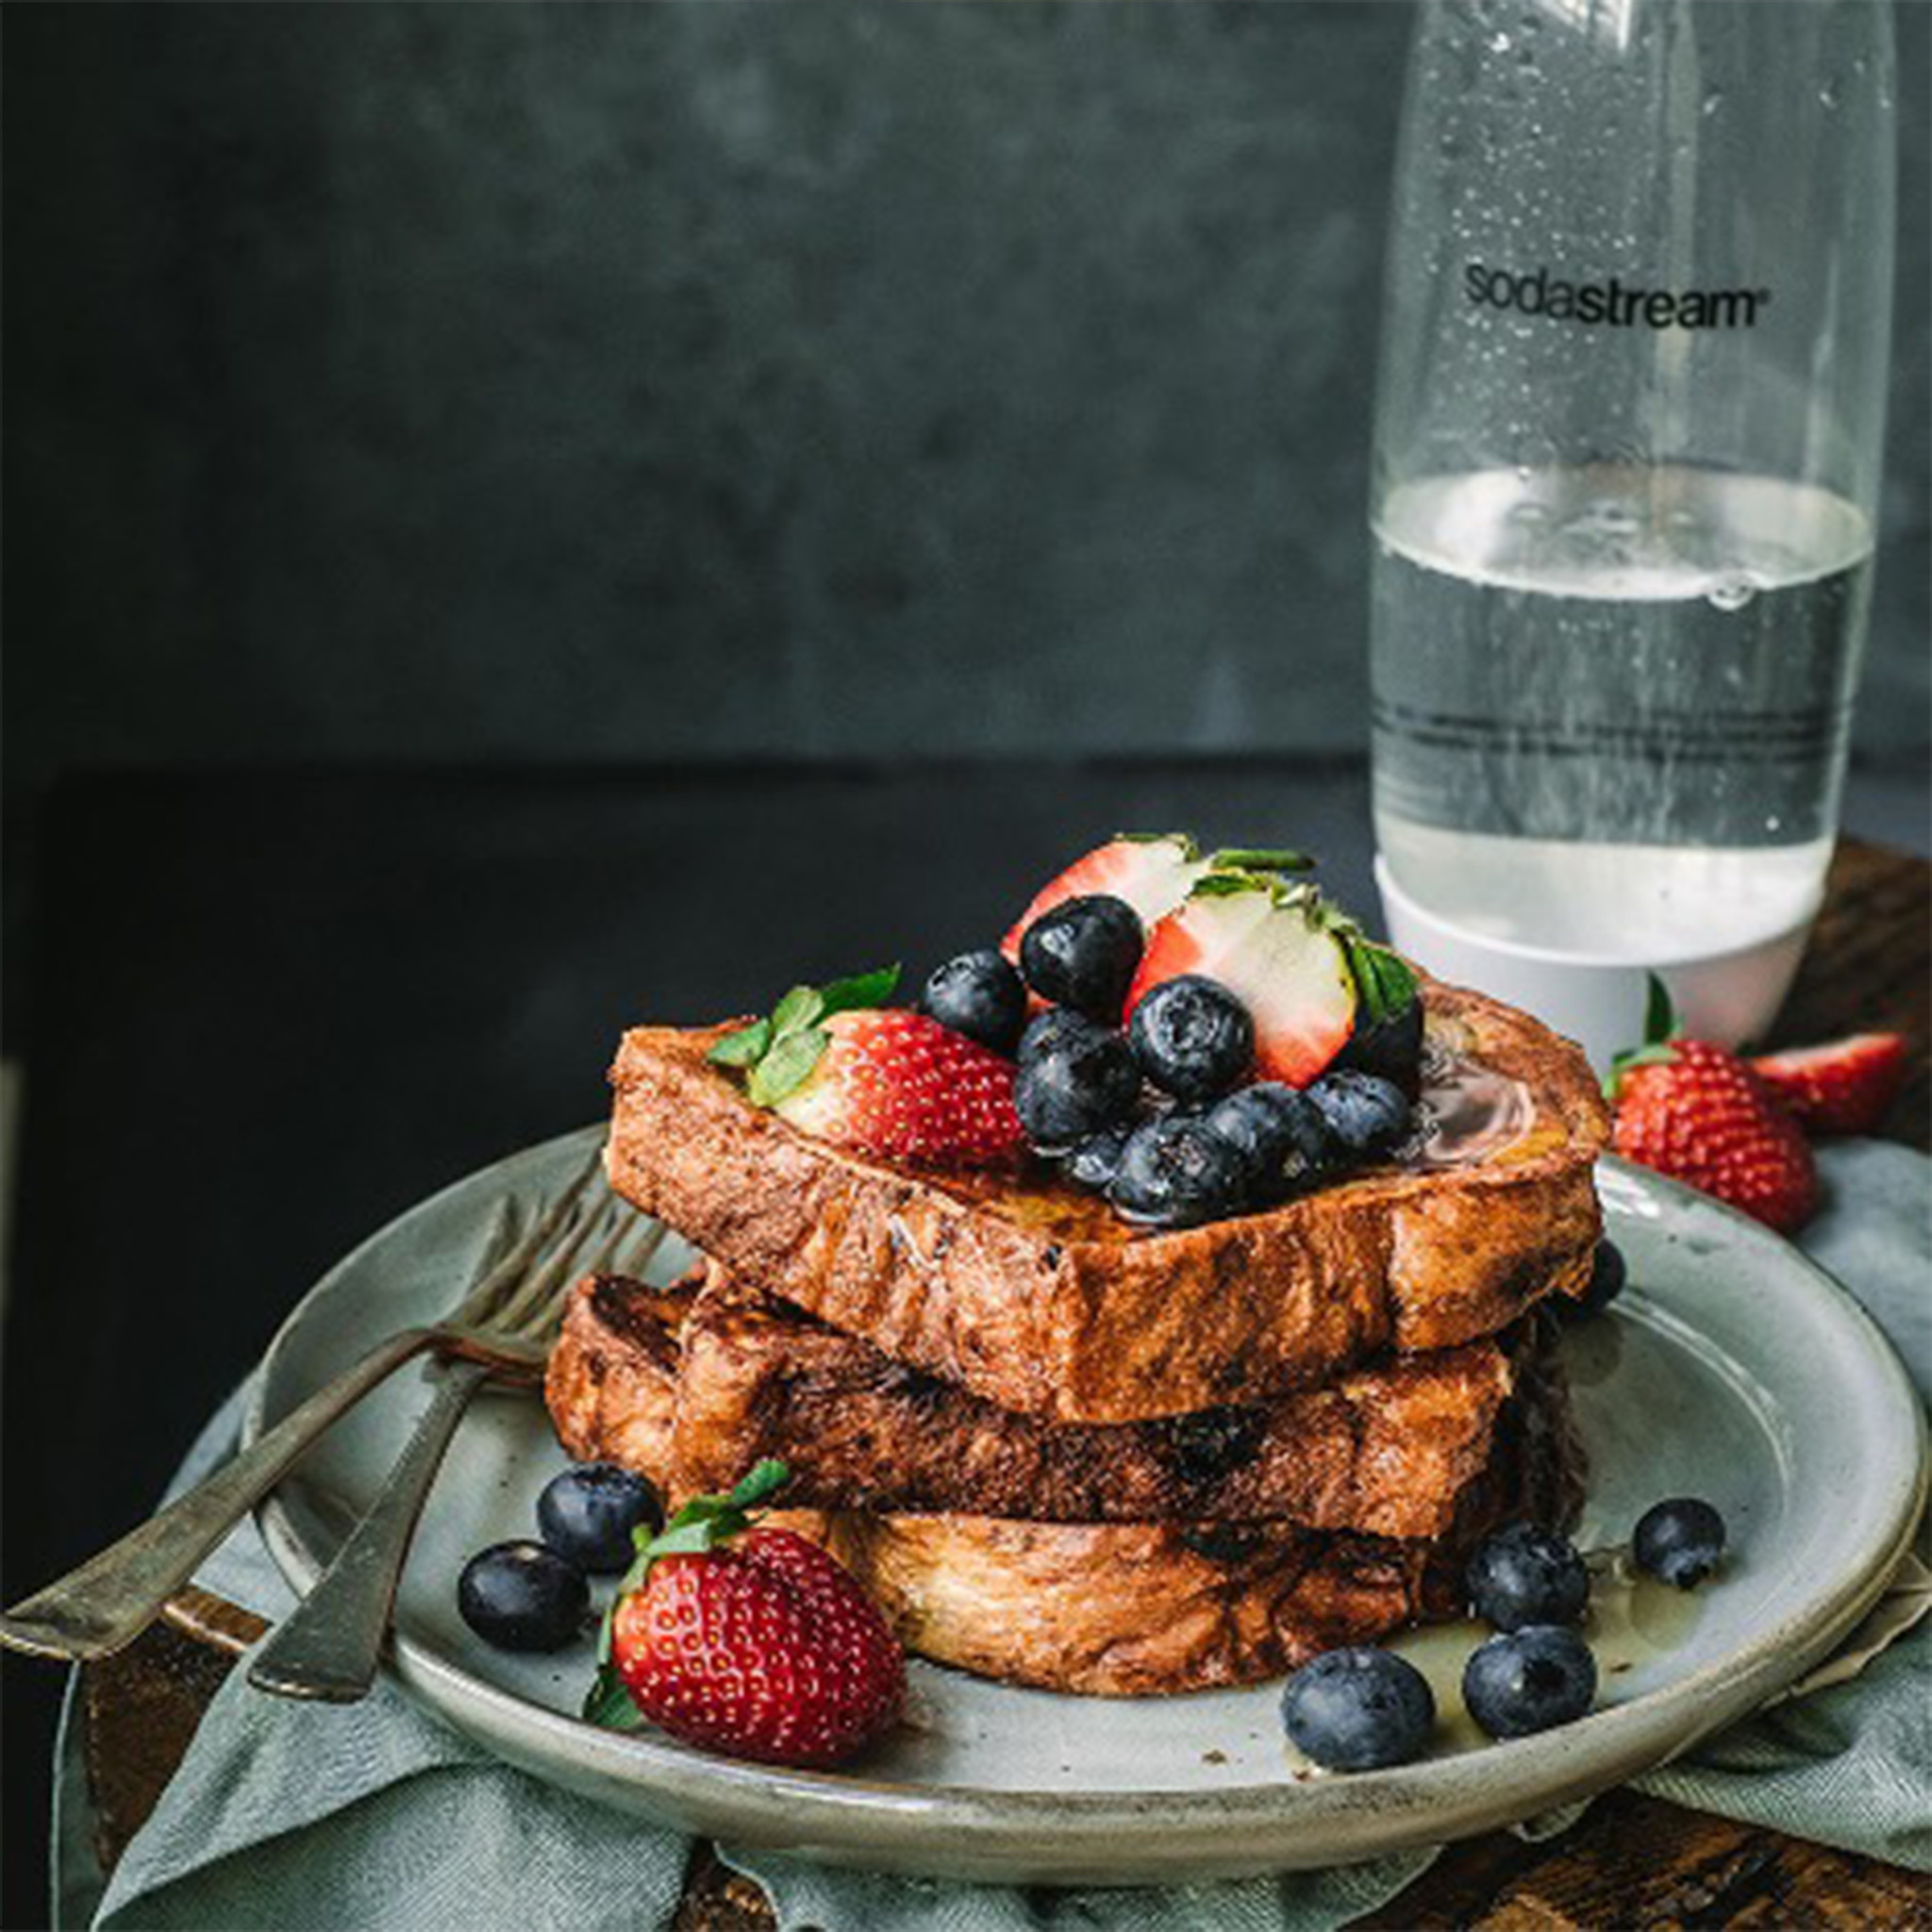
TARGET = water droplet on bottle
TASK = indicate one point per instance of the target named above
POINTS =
(1499, 43)
(1731, 594)
(1828, 93)
(1713, 100)
(1774, 823)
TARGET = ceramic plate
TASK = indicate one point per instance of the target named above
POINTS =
(1732, 1369)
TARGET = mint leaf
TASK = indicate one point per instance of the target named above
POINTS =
(741, 1048)
(608, 1704)
(798, 1009)
(787, 1067)
(872, 989)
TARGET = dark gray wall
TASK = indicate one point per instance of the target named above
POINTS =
(625, 382)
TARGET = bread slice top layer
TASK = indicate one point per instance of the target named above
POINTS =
(1040, 1299)
(1386, 1449)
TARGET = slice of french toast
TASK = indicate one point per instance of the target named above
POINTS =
(1038, 1298)
(1386, 1449)
(1116, 1608)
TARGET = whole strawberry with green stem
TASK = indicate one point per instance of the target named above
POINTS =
(749, 1640)
(838, 1064)
(1698, 1113)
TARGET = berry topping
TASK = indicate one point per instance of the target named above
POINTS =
(1077, 1078)
(1358, 1709)
(1529, 1681)
(1679, 1540)
(880, 1080)
(980, 995)
(1700, 1115)
(1097, 1158)
(1367, 1114)
(1390, 1047)
(1151, 872)
(1846, 1087)
(522, 1596)
(587, 1511)
(1082, 954)
(1278, 950)
(748, 1641)
(1524, 1574)
(1192, 1038)
(1608, 1275)
(1281, 1135)
(1177, 1172)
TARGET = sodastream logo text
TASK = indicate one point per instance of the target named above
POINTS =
(1611, 303)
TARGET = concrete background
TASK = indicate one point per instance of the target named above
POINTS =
(632, 383)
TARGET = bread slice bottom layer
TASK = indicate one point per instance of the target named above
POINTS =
(1113, 1609)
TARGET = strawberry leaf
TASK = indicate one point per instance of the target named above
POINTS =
(797, 1009)
(787, 1067)
(1190, 851)
(764, 1480)
(1382, 978)
(872, 989)
(607, 1702)
(1260, 858)
(741, 1049)
(1659, 1016)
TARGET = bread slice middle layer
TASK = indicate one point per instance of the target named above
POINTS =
(1386, 1449)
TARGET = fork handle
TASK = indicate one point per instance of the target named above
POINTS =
(111, 1598)
(330, 1645)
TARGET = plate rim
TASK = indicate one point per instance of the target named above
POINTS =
(884, 1823)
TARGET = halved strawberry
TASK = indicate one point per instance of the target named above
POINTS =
(1843, 1086)
(1279, 950)
(1151, 870)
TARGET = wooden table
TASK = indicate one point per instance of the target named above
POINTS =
(1631, 1860)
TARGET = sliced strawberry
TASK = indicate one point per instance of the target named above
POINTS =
(1278, 950)
(1844, 1087)
(1153, 873)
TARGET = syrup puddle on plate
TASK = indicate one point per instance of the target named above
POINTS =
(1632, 1619)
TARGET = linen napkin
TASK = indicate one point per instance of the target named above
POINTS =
(294, 1816)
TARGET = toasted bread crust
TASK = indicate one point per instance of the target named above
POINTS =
(1039, 1300)
(1117, 1609)
(1387, 1449)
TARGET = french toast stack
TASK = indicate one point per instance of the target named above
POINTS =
(1066, 1451)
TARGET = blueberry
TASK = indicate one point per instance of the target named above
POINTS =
(1095, 1161)
(1175, 1171)
(587, 1513)
(1366, 1113)
(1358, 1709)
(1524, 1574)
(1192, 1038)
(1077, 1077)
(1082, 954)
(1679, 1540)
(1281, 1135)
(1607, 1277)
(1529, 1680)
(980, 995)
(522, 1596)
(1390, 1047)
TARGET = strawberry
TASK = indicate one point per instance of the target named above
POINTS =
(883, 1081)
(1152, 871)
(746, 1640)
(1698, 1113)
(1844, 1087)
(1276, 948)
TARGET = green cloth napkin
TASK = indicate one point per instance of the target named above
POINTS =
(294, 1816)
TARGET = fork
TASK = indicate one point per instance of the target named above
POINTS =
(111, 1598)
(330, 1645)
